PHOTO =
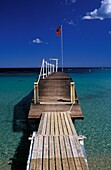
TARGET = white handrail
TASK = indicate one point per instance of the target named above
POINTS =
(30, 151)
(47, 69)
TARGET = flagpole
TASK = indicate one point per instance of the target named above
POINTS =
(62, 47)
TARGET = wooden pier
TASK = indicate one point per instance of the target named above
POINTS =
(54, 94)
(56, 144)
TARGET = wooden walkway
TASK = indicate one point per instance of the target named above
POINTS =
(56, 144)
(54, 95)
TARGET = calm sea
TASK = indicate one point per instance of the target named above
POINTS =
(94, 92)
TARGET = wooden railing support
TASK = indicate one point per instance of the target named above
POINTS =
(72, 91)
(36, 94)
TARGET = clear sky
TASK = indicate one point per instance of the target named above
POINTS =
(28, 32)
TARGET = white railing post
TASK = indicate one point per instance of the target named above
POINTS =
(50, 68)
(53, 68)
(72, 91)
(46, 68)
(56, 65)
(36, 94)
(43, 68)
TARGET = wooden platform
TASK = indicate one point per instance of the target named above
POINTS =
(54, 95)
(56, 145)
(37, 110)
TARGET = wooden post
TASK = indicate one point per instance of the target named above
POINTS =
(36, 94)
(72, 91)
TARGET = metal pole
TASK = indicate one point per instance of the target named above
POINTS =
(62, 47)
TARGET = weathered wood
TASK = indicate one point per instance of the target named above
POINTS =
(63, 154)
(44, 125)
(51, 153)
(75, 154)
(60, 124)
(56, 145)
(63, 124)
(55, 91)
(34, 155)
(41, 125)
(45, 154)
(57, 153)
(68, 125)
(52, 123)
(48, 124)
(69, 153)
(37, 110)
(56, 124)
(39, 153)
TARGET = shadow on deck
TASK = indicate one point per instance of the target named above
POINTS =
(22, 124)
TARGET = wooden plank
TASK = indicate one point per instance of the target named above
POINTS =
(44, 124)
(34, 154)
(59, 124)
(56, 124)
(80, 154)
(48, 124)
(72, 126)
(52, 123)
(77, 145)
(51, 153)
(57, 153)
(75, 153)
(45, 154)
(68, 125)
(63, 124)
(63, 154)
(69, 153)
(39, 153)
(41, 124)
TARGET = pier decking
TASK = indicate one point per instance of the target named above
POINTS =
(56, 144)
(54, 95)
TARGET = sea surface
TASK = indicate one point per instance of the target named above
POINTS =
(94, 92)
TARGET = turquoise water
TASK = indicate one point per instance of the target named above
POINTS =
(93, 90)
(13, 109)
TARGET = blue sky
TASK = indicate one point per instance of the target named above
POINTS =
(28, 32)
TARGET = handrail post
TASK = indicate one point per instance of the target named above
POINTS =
(56, 65)
(46, 68)
(36, 94)
(72, 91)
(53, 68)
(43, 68)
(50, 68)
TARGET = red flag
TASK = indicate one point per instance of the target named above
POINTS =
(58, 31)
